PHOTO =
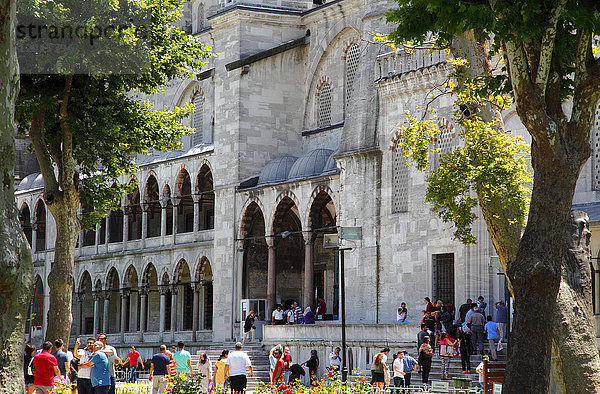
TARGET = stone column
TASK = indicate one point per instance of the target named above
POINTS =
(196, 199)
(34, 227)
(201, 296)
(97, 298)
(195, 310)
(97, 237)
(143, 311)
(309, 267)
(163, 289)
(173, 311)
(125, 210)
(163, 220)
(124, 301)
(271, 275)
(106, 309)
(79, 298)
(144, 207)
(175, 202)
(107, 233)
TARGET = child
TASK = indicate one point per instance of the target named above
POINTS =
(402, 313)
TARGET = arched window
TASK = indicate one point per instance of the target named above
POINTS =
(198, 119)
(352, 55)
(324, 111)
(446, 141)
(400, 179)
(25, 219)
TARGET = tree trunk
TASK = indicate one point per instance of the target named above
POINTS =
(16, 278)
(60, 279)
(536, 272)
(574, 331)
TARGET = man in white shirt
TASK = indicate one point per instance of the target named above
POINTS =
(277, 316)
(111, 353)
(84, 380)
(291, 314)
(335, 361)
(399, 370)
(235, 367)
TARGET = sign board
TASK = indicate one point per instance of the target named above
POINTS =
(497, 388)
(354, 233)
(330, 241)
(439, 386)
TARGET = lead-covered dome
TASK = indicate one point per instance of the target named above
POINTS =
(277, 170)
(31, 181)
(311, 164)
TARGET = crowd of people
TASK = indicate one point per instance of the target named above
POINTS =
(460, 335)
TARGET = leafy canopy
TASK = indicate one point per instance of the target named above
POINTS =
(110, 119)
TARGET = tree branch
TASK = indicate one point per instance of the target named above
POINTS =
(67, 161)
(586, 94)
(547, 48)
(37, 137)
(530, 105)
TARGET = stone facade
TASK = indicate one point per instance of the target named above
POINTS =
(298, 110)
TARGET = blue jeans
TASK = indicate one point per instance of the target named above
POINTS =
(133, 374)
(101, 389)
(84, 386)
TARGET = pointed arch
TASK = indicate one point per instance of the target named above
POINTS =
(206, 189)
(166, 193)
(115, 225)
(133, 209)
(40, 226)
(25, 220)
(185, 209)
(152, 207)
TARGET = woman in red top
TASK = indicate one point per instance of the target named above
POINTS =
(279, 368)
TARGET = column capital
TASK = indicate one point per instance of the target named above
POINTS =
(163, 202)
(144, 205)
(97, 295)
(163, 289)
(197, 286)
(175, 201)
(174, 288)
(239, 244)
(144, 290)
(107, 295)
(196, 197)
(79, 297)
(270, 240)
(308, 237)
(125, 292)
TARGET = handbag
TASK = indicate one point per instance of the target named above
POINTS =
(499, 347)
(211, 386)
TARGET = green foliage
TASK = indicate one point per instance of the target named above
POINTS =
(181, 383)
(488, 165)
(517, 20)
(110, 118)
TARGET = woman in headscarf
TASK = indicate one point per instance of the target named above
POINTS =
(205, 369)
(309, 317)
(313, 366)
(219, 376)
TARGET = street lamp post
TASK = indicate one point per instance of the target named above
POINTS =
(343, 313)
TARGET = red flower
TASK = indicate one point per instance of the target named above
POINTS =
(282, 387)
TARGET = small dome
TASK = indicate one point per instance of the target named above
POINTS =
(311, 164)
(276, 170)
(31, 181)
(330, 166)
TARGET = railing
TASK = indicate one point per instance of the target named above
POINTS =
(391, 63)
(140, 387)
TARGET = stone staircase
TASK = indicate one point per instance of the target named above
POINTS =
(454, 370)
(255, 350)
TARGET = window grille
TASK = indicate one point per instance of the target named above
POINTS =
(198, 120)
(445, 142)
(596, 150)
(352, 56)
(400, 178)
(443, 277)
(325, 105)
